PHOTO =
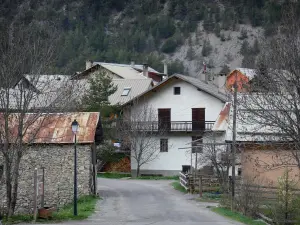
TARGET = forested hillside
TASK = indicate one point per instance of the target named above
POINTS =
(152, 30)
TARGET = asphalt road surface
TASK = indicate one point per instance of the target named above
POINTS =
(147, 202)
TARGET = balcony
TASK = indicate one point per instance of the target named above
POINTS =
(172, 126)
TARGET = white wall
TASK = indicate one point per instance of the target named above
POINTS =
(181, 110)
(171, 160)
(181, 105)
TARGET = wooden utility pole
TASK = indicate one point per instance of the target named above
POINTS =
(234, 140)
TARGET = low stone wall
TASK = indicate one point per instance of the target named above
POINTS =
(58, 161)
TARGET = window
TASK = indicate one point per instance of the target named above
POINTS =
(163, 145)
(197, 144)
(176, 90)
(126, 91)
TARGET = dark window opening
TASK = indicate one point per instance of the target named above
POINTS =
(197, 144)
(176, 90)
(239, 171)
(1, 171)
(163, 145)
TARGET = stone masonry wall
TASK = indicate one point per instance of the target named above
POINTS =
(58, 161)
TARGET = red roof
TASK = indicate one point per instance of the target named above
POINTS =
(52, 128)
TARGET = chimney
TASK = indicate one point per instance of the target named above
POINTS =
(166, 69)
(145, 70)
(221, 82)
(132, 63)
(206, 77)
(88, 64)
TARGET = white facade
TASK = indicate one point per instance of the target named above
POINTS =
(168, 163)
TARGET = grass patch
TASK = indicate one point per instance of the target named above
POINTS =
(86, 207)
(210, 197)
(176, 185)
(158, 178)
(236, 216)
(113, 175)
(123, 175)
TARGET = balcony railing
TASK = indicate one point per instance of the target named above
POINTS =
(179, 126)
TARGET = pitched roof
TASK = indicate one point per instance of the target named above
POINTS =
(53, 128)
(136, 67)
(201, 85)
(125, 71)
(221, 123)
(137, 86)
(250, 73)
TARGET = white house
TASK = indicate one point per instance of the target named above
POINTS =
(190, 108)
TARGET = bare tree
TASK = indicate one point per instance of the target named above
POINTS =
(270, 111)
(25, 53)
(216, 155)
(141, 131)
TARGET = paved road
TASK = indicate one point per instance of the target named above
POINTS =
(145, 202)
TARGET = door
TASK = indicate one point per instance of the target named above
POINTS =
(164, 119)
(198, 119)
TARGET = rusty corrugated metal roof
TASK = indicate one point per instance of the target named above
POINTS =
(53, 127)
(222, 120)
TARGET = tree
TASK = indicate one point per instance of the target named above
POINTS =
(141, 131)
(100, 88)
(190, 54)
(207, 48)
(225, 69)
(273, 105)
(26, 51)
(217, 156)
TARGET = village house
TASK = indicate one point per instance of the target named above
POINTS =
(122, 71)
(49, 146)
(188, 107)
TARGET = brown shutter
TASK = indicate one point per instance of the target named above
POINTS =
(198, 118)
(164, 119)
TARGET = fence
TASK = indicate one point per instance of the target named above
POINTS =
(198, 183)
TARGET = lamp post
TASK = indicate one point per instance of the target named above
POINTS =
(75, 126)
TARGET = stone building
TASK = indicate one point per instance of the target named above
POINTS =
(52, 148)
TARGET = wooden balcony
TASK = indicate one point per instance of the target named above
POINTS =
(172, 126)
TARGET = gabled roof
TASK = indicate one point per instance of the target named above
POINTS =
(124, 71)
(53, 128)
(136, 67)
(201, 85)
(136, 86)
(250, 73)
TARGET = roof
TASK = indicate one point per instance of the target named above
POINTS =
(47, 82)
(202, 85)
(137, 86)
(221, 123)
(250, 73)
(136, 67)
(125, 71)
(53, 128)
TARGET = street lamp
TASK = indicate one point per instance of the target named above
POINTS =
(75, 127)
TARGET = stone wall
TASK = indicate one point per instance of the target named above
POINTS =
(58, 161)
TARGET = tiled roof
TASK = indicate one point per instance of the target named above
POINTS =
(136, 86)
(53, 128)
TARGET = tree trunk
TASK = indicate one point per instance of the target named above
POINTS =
(15, 184)
(138, 170)
(8, 186)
